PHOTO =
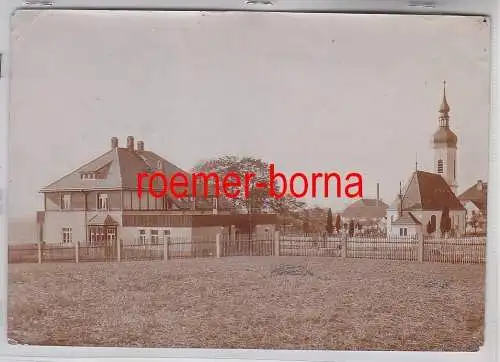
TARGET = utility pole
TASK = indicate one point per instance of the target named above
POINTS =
(400, 200)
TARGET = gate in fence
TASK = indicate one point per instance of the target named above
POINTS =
(246, 245)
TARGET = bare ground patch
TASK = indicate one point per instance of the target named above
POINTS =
(255, 302)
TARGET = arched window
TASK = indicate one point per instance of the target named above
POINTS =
(440, 166)
(433, 222)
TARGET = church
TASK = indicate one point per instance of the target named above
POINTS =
(419, 206)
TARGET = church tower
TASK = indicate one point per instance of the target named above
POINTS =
(445, 146)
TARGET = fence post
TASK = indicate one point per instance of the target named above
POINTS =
(77, 252)
(40, 252)
(217, 245)
(166, 244)
(420, 250)
(344, 246)
(118, 249)
(277, 243)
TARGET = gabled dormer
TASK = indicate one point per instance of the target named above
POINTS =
(99, 174)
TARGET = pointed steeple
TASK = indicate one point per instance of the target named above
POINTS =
(445, 108)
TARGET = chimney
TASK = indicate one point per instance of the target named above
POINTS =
(378, 193)
(140, 145)
(130, 143)
(114, 142)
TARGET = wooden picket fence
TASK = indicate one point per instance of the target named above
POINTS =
(464, 250)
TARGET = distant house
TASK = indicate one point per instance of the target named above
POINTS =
(366, 212)
(474, 200)
(423, 200)
(99, 202)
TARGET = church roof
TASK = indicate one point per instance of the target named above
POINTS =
(427, 191)
(365, 208)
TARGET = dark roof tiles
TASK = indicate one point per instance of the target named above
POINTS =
(427, 191)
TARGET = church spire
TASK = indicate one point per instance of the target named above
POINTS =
(445, 108)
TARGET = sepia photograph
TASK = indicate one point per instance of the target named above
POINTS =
(248, 180)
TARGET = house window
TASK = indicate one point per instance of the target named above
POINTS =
(88, 176)
(440, 166)
(66, 235)
(403, 232)
(166, 235)
(102, 201)
(66, 202)
(142, 237)
(154, 237)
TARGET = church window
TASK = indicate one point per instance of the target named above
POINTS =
(433, 222)
(440, 166)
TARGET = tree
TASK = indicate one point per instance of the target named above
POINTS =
(338, 223)
(287, 207)
(429, 228)
(445, 223)
(351, 228)
(474, 222)
(329, 222)
(258, 198)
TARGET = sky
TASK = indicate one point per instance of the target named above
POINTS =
(307, 92)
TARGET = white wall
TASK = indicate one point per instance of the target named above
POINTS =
(55, 221)
(411, 230)
(457, 220)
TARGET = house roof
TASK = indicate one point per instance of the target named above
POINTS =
(407, 219)
(365, 208)
(427, 191)
(477, 193)
(117, 169)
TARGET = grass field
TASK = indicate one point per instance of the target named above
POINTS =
(254, 302)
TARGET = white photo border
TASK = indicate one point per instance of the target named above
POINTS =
(489, 351)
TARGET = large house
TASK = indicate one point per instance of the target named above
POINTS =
(99, 201)
(474, 200)
(427, 195)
